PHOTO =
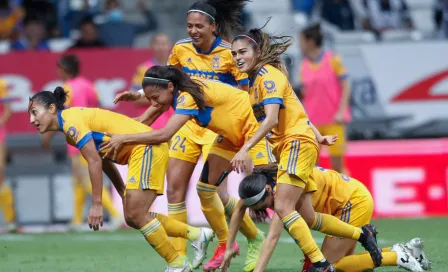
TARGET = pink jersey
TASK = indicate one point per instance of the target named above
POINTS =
(137, 85)
(322, 88)
(81, 93)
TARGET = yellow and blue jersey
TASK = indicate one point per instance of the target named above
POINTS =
(80, 125)
(227, 110)
(271, 86)
(215, 64)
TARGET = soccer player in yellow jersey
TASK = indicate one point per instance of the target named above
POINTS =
(336, 195)
(80, 93)
(206, 54)
(85, 128)
(6, 194)
(285, 123)
(223, 109)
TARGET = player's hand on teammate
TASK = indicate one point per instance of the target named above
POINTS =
(328, 140)
(241, 162)
(112, 146)
(230, 253)
(95, 218)
(127, 96)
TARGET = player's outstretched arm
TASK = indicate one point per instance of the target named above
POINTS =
(271, 120)
(150, 115)
(235, 222)
(128, 96)
(95, 165)
(163, 135)
(324, 140)
(275, 230)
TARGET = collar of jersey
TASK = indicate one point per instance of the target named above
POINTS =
(319, 58)
(214, 45)
(60, 120)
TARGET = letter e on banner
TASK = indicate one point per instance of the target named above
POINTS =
(393, 192)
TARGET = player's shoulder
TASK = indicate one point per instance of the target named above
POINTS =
(225, 45)
(183, 42)
(269, 72)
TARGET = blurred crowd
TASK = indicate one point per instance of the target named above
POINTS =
(29, 24)
(377, 16)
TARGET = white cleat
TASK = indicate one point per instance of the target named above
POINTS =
(185, 268)
(405, 259)
(11, 227)
(415, 248)
(200, 246)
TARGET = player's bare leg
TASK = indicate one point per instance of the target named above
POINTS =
(137, 215)
(211, 205)
(178, 177)
(6, 194)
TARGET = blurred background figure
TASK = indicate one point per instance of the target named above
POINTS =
(326, 91)
(161, 46)
(338, 13)
(6, 194)
(46, 12)
(81, 93)
(116, 31)
(11, 16)
(88, 35)
(383, 15)
(34, 36)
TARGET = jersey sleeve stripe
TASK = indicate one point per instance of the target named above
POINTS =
(274, 100)
(187, 112)
(243, 82)
(84, 140)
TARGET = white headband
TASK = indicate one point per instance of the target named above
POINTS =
(201, 11)
(159, 79)
(254, 199)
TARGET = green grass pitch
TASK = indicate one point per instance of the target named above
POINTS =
(127, 250)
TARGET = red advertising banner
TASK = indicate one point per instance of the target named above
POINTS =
(407, 178)
(28, 72)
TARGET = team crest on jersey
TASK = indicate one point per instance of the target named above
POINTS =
(270, 86)
(73, 133)
(215, 61)
(180, 101)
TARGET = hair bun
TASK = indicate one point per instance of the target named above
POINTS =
(60, 95)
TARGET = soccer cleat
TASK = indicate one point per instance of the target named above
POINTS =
(185, 268)
(307, 264)
(215, 262)
(368, 241)
(200, 246)
(11, 228)
(253, 252)
(415, 248)
(405, 260)
(321, 267)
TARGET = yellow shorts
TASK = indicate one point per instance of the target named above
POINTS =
(147, 167)
(359, 208)
(261, 153)
(338, 149)
(190, 142)
(297, 159)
